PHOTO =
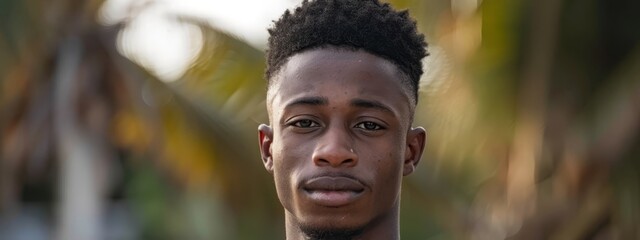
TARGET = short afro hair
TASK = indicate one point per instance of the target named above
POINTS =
(353, 24)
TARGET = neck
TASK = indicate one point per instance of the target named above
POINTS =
(386, 227)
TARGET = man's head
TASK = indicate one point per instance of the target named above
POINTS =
(343, 80)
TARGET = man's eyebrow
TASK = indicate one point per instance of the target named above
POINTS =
(314, 101)
(363, 103)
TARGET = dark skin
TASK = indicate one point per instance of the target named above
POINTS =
(339, 144)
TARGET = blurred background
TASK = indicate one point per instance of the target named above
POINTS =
(137, 119)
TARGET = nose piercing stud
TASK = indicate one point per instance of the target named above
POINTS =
(351, 150)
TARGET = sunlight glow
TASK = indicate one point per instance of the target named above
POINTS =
(155, 39)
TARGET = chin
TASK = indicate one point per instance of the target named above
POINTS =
(334, 218)
(332, 231)
(327, 222)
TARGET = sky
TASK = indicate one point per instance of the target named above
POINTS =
(154, 39)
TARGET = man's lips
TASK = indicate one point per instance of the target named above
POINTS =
(329, 183)
(333, 191)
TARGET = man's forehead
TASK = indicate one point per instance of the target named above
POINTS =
(331, 63)
(324, 71)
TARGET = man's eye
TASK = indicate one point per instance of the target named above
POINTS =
(305, 123)
(369, 126)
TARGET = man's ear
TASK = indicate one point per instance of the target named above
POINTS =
(416, 138)
(265, 135)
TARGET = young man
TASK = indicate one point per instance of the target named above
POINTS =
(342, 89)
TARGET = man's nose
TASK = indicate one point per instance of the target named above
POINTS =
(335, 149)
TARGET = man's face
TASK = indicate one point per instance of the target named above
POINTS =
(340, 139)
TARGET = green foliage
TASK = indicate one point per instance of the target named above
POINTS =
(519, 98)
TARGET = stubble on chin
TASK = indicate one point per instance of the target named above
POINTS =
(315, 233)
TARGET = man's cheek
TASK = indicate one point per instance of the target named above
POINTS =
(282, 186)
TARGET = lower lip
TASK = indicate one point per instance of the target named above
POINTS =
(333, 198)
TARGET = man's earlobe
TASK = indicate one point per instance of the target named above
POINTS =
(416, 138)
(265, 135)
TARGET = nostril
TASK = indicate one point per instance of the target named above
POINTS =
(349, 163)
(345, 159)
(323, 162)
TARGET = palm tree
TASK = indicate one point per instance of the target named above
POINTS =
(533, 119)
(76, 115)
